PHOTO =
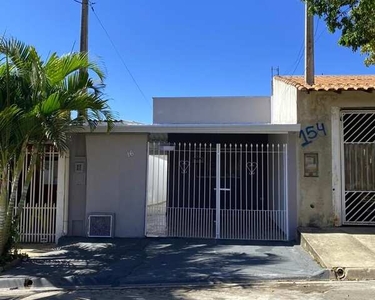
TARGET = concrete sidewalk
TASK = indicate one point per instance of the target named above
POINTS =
(348, 252)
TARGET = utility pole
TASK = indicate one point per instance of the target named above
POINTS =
(309, 47)
(84, 26)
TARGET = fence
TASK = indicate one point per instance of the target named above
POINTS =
(228, 191)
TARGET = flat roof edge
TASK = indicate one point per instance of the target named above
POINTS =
(198, 128)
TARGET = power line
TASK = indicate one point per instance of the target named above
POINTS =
(118, 53)
(302, 48)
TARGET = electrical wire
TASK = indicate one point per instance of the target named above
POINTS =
(119, 55)
(117, 52)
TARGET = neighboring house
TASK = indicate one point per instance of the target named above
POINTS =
(251, 168)
(336, 148)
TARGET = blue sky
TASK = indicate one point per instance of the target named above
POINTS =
(181, 47)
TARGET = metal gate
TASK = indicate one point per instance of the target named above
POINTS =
(38, 218)
(358, 165)
(228, 191)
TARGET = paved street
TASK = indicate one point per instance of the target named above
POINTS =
(119, 262)
(270, 290)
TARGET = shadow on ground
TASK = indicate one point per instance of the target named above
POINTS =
(117, 262)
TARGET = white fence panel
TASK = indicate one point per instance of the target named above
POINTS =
(38, 218)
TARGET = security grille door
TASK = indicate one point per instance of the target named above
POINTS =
(358, 146)
(228, 191)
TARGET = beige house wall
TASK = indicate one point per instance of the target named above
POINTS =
(116, 180)
(320, 197)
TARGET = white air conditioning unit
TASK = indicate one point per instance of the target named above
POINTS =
(100, 225)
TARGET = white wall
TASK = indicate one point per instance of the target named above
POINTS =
(116, 179)
(212, 110)
(283, 103)
(157, 179)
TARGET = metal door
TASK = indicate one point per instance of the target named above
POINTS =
(229, 191)
(358, 167)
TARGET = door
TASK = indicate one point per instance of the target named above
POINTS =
(358, 166)
(228, 191)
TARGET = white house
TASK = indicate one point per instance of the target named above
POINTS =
(218, 167)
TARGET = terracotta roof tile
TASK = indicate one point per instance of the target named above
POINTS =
(332, 82)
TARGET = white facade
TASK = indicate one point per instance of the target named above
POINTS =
(212, 110)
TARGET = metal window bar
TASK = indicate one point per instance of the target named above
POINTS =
(358, 167)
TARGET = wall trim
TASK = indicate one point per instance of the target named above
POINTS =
(61, 197)
(336, 165)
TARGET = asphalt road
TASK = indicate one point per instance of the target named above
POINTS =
(119, 262)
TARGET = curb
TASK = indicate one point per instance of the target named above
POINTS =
(339, 272)
(13, 283)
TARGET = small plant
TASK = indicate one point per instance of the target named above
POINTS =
(11, 250)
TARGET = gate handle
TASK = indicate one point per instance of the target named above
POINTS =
(223, 189)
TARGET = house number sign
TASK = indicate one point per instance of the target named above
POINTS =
(311, 133)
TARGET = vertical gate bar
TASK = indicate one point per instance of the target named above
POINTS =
(45, 224)
(262, 211)
(268, 219)
(279, 188)
(29, 224)
(230, 202)
(273, 190)
(252, 194)
(40, 183)
(158, 162)
(195, 225)
(242, 225)
(228, 196)
(33, 184)
(217, 191)
(178, 192)
(224, 233)
(25, 223)
(256, 221)
(235, 182)
(52, 220)
(190, 210)
(209, 195)
(171, 205)
(199, 190)
(148, 187)
(286, 204)
(183, 227)
(24, 168)
(164, 186)
(154, 175)
(204, 192)
(246, 197)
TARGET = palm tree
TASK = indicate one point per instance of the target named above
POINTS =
(41, 102)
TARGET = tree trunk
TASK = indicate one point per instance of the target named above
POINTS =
(26, 184)
(9, 215)
(9, 205)
(3, 204)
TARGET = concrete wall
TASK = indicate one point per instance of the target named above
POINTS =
(212, 110)
(283, 103)
(116, 179)
(77, 187)
(317, 195)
